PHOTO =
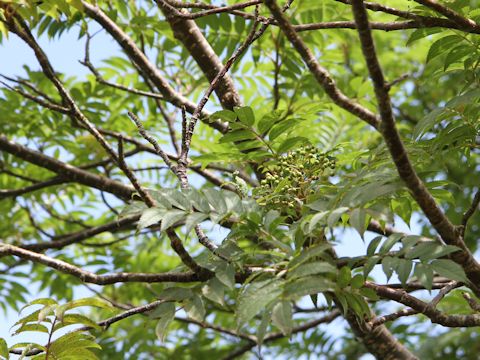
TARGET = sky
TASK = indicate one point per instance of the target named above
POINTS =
(65, 54)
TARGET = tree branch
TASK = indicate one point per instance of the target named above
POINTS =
(148, 69)
(408, 312)
(407, 173)
(89, 277)
(64, 240)
(322, 76)
(471, 210)
(66, 171)
(433, 314)
(450, 14)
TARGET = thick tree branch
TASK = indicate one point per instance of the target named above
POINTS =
(66, 171)
(450, 14)
(217, 80)
(407, 173)
(415, 21)
(188, 33)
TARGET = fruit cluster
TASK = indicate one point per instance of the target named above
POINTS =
(290, 179)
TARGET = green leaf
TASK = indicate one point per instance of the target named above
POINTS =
(198, 200)
(357, 304)
(255, 297)
(245, 115)
(315, 220)
(225, 272)
(449, 269)
(404, 268)
(32, 327)
(91, 301)
(292, 142)
(372, 246)
(46, 311)
(389, 264)
(171, 217)
(344, 277)
(307, 286)
(42, 301)
(161, 329)
(370, 264)
(4, 353)
(424, 274)
(456, 54)
(358, 218)
(441, 45)
(72, 341)
(369, 294)
(216, 200)
(427, 122)
(342, 300)
(429, 250)
(465, 99)
(421, 33)
(225, 115)
(175, 294)
(194, 307)
(177, 198)
(266, 122)
(282, 317)
(134, 208)
(335, 215)
(388, 244)
(33, 317)
(262, 327)
(192, 220)
(237, 135)
(71, 319)
(282, 127)
(214, 290)
(150, 217)
(165, 309)
(318, 267)
(357, 281)
(306, 254)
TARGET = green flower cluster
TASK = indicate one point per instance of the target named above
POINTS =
(289, 180)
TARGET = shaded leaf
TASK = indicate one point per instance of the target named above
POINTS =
(245, 115)
(255, 297)
(282, 317)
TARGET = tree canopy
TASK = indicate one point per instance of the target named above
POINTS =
(202, 184)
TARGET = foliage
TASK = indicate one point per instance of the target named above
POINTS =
(243, 213)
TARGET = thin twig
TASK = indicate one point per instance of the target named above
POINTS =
(471, 210)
